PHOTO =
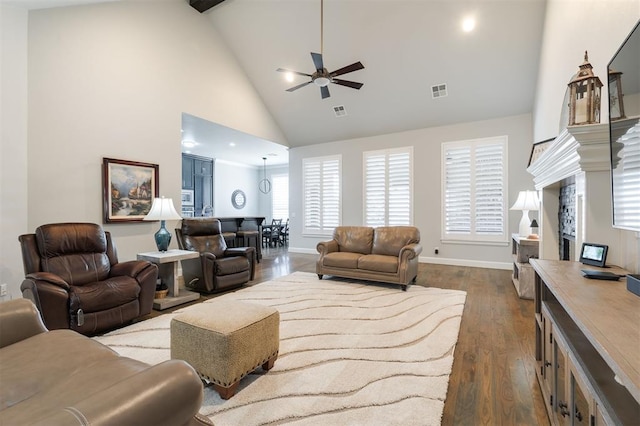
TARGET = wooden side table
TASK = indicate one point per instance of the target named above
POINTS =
(523, 278)
(168, 272)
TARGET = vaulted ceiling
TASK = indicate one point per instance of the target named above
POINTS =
(406, 47)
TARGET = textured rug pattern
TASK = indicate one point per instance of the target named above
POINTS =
(350, 354)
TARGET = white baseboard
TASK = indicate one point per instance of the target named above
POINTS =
(437, 260)
(466, 262)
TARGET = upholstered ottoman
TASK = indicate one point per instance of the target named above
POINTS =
(224, 340)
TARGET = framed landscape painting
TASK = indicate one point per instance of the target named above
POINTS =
(129, 188)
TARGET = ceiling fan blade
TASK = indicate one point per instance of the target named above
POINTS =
(317, 61)
(324, 91)
(349, 68)
(352, 84)
(299, 86)
(293, 72)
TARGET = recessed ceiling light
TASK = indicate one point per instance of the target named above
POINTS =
(232, 144)
(288, 76)
(468, 24)
(188, 144)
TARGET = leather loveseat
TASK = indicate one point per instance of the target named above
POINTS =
(386, 254)
(61, 377)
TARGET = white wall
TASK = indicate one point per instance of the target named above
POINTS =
(13, 144)
(111, 80)
(228, 178)
(427, 184)
(600, 27)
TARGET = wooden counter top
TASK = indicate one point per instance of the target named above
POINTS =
(605, 311)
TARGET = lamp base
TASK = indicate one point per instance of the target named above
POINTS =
(525, 224)
(163, 237)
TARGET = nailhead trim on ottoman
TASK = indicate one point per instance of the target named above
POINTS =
(224, 340)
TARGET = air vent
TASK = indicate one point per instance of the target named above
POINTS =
(339, 111)
(439, 91)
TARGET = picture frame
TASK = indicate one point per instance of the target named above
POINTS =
(538, 148)
(128, 189)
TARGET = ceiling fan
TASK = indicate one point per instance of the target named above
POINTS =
(322, 77)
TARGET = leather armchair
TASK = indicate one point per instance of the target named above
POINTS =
(73, 277)
(219, 268)
(61, 377)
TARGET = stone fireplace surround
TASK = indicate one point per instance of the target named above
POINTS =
(580, 156)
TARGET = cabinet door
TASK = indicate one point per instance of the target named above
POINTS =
(581, 407)
(187, 172)
(561, 382)
(547, 356)
(203, 167)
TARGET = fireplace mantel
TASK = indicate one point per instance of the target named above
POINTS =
(579, 155)
(577, 149)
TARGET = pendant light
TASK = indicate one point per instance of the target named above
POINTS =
(265, 185)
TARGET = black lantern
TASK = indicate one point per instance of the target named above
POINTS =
(584, 96)
(616, 104)
(534, 229)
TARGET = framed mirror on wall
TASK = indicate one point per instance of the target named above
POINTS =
(238, 199)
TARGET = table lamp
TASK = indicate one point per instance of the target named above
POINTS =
(162, 209)
(527, 200)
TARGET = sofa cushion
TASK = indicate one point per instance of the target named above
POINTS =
(389, 240)
(231, 265)
(354, 239)
(103, 295)
(378, 263)
(56, 369)
(341, 259)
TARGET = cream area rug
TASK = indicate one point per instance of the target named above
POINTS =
(351, 353)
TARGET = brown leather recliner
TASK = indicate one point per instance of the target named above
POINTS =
(219, 268)
(74, 279)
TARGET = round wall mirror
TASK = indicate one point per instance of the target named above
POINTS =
(238, 199)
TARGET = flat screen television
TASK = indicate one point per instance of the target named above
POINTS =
(624, 131)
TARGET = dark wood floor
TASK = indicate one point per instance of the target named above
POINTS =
(493, 381)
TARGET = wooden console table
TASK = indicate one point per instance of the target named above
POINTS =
(587, 345)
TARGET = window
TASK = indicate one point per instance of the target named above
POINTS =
(474, 180)
(388, 187)
(280, 197)
(322, 194)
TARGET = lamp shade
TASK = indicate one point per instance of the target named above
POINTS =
(162, 209)
(527, 200)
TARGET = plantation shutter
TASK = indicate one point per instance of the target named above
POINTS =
(626, 189)
(322, 194)
(388, 189)
(280, 198)
(474, 188)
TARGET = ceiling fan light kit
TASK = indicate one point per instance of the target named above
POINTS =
(322, 77)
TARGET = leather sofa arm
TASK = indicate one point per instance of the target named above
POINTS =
(48, 277)
(325, 247)
(248, 252)
(131, 268)
(168, 394)
(208, 264)
(19, 320)
(410, 251)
